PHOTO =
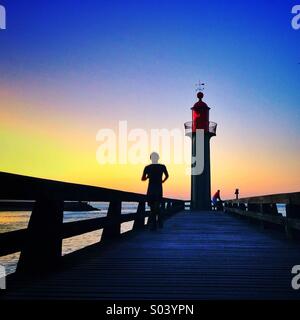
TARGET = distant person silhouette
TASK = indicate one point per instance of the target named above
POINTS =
(217, 201)
(155, 172)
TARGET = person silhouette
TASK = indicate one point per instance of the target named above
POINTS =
(154, 173)
(217, 201)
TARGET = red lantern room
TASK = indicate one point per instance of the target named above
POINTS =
(200, 114)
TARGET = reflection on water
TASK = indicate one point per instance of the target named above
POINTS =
(281, 209)
(78, 242)
(12, 220)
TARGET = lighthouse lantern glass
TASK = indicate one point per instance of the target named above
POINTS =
(200, 115)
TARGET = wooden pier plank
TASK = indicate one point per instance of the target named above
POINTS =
(199, 255)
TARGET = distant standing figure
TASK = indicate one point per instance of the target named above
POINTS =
(155, 172)
(217, 201)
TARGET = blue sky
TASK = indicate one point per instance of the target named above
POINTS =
(154, 46)
(116, 60)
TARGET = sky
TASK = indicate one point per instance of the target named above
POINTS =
(71, 68)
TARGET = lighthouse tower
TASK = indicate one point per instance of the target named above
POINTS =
(200, 181)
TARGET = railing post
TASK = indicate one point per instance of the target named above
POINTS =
(112, 231)
(139, 221)
(182, 205)
(254, 207)
(169, 206)
(269, 208)
(43, 246)
(177, 206)
(242, 206)
(292, 212)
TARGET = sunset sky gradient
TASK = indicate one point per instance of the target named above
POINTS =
(70, 68)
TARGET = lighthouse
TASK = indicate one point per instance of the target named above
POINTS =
(200, 128)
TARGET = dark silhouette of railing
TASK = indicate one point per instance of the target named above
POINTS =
(41, 243)
(264, 209)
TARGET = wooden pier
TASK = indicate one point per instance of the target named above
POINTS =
(240, 253)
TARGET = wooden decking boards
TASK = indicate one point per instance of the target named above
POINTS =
(199, 255)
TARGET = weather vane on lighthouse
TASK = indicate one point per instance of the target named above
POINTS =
(200, 86)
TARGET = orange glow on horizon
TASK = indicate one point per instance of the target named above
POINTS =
(55, 149)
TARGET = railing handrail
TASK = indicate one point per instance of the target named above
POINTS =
(285, 198)
(20, 187)
(264, 209)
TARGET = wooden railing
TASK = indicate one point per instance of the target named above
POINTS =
(41, 243)
(264, 209)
